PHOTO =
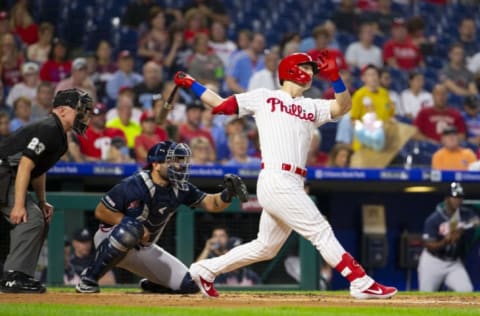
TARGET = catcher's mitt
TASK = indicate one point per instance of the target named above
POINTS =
(235, 187)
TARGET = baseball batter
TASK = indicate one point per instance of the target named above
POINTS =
(285, 122)
(445, 233)
(135, 212)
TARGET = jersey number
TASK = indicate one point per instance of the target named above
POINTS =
(37, 146)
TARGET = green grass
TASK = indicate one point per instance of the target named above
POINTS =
(49, 309)
(81, 310)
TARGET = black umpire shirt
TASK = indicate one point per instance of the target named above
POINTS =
(44, 142)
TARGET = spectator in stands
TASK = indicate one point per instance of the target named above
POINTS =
(416, 32)
(195, 23)
(95, 143)
(154, 44)
(105, 65)
(151, 85)
(456, 77)
(244, 39)
(471, 116)
(137, 13)
(79, 79)
(316, 157)
(11, 61)
(345, 17)
(431, 121)
(290, 43)
(322, 38)
(4, 125)
(203, 153)
(58, 66)
(42, 105)
(26, 88)
(364, 52)
(179, 52)
(22, 108)
(245, 63)
(214, 10)
(268, 77)
(39, 51)
(218, 244)
(118, 152)
(22, 23)
(83, 254)
(340, 156)
(204, 64)
(382, 15)
(124, 76)
(468, 37)
(346, 76)
(371, 98)
(220, 44)
(238, 145)
(386, 82)
(192, 127)
(452, 156)
(414, 98)
(150, 136)
(124, 120)
(399, 52)
(4, 23)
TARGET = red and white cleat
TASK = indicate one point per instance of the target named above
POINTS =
(207, 288)
(375, 291)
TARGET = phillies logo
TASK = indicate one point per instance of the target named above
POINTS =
(293, 109)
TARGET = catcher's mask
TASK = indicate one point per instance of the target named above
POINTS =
(177, 157)
(81, 102)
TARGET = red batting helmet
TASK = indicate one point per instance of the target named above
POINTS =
(288, 68)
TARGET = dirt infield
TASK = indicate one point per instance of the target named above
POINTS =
(240, 300)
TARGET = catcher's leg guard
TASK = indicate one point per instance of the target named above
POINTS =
(124, 237)
(188, 286)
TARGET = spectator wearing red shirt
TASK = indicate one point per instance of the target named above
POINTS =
(11, 61)
(399, 52)
(431, 121)
(57, 67)
(95, 143)
(151, 135)
(23, 24)
(192, 127)
(195, 22)
(322, 38)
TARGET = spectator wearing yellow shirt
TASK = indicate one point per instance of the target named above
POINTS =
(371, 97)
(452, 156)
(124, 120)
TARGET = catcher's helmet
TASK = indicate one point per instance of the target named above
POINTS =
(288, 68)
(456, 190)
(177, 156)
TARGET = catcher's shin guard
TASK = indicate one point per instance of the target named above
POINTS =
(124, 237)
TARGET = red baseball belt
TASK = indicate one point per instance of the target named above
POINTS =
(288, 167)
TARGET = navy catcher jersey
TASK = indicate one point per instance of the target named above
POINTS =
(439, 224)
(138, 197)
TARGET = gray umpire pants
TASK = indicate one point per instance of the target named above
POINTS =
(26, 239)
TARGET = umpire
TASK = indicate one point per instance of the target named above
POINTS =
(25, 157)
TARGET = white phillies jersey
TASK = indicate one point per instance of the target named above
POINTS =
(285, 124)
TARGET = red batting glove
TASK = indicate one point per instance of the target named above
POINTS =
(183, 80)
(327, 66)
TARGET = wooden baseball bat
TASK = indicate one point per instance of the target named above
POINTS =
(167, 106)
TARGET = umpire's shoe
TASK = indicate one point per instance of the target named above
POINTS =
(19, 282)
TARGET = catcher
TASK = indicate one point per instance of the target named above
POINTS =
(134, 213)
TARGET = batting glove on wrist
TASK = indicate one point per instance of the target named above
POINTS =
(327, 66)
(183, 80)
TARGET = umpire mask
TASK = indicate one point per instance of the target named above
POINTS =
(81, 102)
(178, 161)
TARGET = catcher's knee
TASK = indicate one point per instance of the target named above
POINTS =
(188, 286)
(127, 234)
